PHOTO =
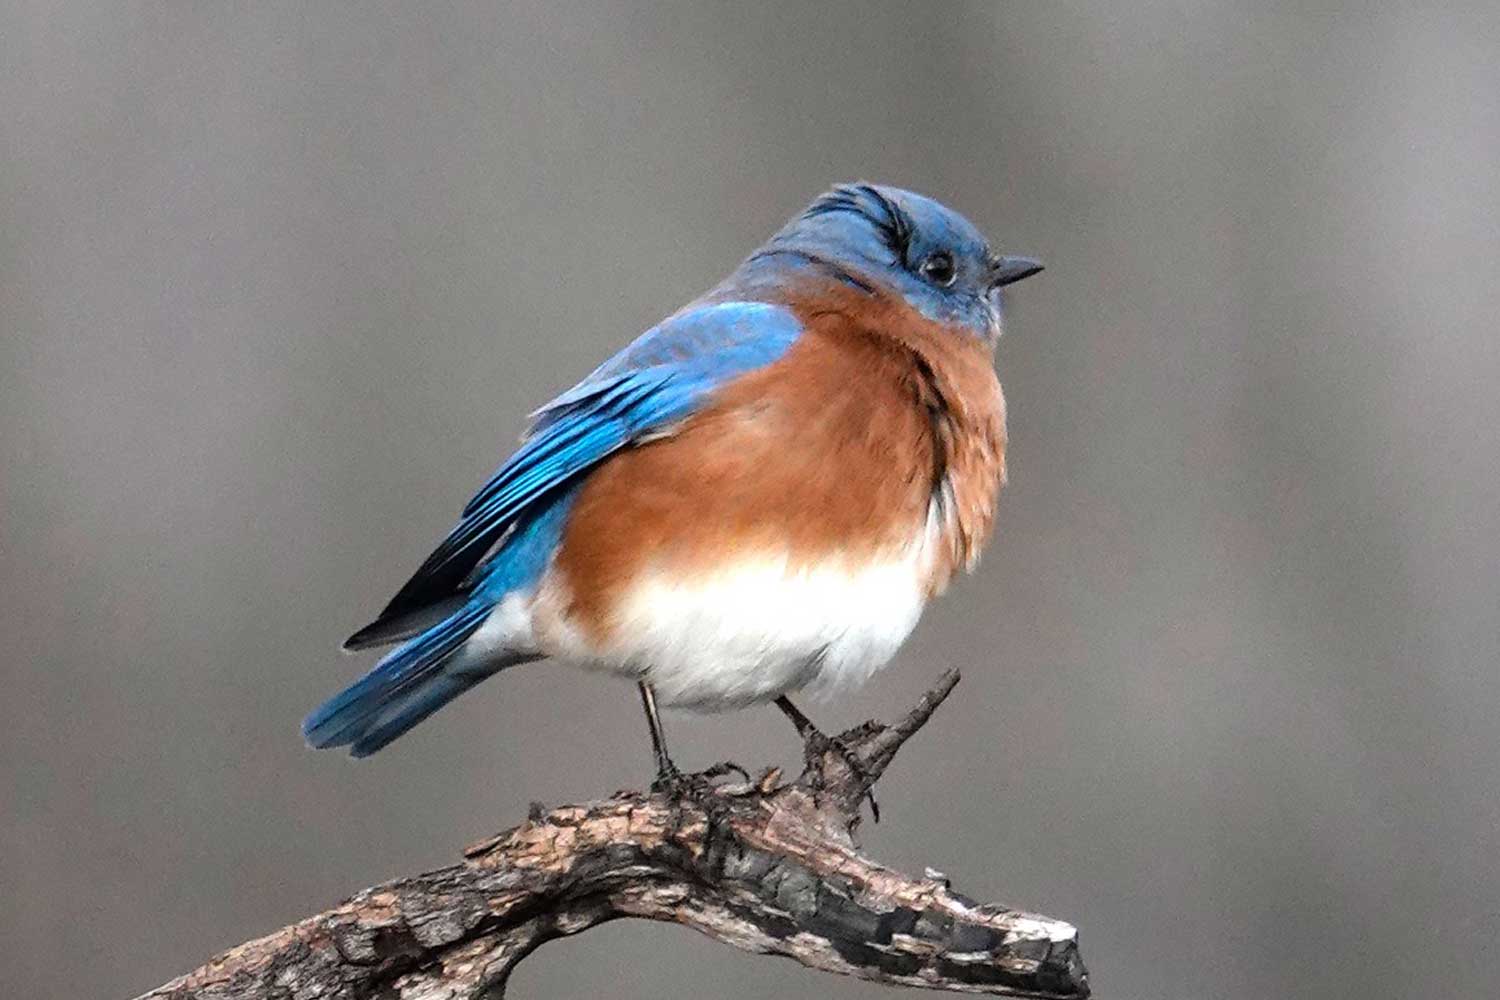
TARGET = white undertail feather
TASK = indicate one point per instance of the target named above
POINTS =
(506, 633)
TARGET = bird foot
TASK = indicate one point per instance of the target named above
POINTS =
(816, 743)
(694, 786)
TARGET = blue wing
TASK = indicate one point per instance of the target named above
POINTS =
(665, 375)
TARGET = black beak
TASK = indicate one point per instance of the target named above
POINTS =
(1009, 270)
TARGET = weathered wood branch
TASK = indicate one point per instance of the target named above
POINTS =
(765, 866)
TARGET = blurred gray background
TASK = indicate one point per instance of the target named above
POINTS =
(278, 283)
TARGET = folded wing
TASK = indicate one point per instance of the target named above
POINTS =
(664, 376)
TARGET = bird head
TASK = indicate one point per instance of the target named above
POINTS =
(902, 242)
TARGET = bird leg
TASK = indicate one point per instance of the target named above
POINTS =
(667, 773)
(669, 777)
(815, 743)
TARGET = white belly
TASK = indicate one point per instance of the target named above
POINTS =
(750, 631)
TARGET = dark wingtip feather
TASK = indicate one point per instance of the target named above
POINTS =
(360, 640)
(388, 629)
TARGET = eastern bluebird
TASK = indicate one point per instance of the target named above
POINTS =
(757, 496)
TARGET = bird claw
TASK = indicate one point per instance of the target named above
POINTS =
(817, 743)
(695, 785)
(723, 769)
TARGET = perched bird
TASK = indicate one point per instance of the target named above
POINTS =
(757, 496)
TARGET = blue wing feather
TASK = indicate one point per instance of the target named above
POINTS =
(660, 378)
(726, 337)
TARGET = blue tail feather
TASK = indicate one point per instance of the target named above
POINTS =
(409, 678)
(411, 708)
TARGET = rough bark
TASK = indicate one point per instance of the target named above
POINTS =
(766, 866)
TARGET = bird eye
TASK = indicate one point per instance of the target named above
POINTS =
(938, 268)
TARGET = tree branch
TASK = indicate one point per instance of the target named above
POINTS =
(765, 866)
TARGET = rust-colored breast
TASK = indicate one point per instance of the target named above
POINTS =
(950, 374)
(875, 422)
